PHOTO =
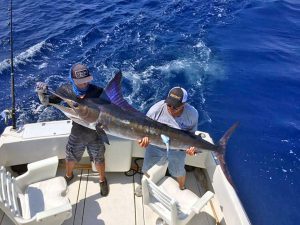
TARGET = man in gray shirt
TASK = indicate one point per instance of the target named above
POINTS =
(177, 113)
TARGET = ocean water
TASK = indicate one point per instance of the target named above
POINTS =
(238, 60)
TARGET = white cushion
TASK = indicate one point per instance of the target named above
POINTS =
(54, 190)
(185, 198)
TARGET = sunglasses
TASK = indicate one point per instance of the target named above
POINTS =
(174, 108)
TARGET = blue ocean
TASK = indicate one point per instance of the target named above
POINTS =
(239, 60)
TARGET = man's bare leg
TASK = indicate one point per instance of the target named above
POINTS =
(69, 168)
(181, 181)
(100, 167)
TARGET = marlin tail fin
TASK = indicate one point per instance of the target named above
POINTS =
(223, 141)
(221, 153)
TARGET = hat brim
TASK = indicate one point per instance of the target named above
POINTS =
(173, 102)
(83, 80)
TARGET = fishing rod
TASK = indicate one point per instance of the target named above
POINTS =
(8, 114)
(13, 110)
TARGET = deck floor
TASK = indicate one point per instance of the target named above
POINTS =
(121, 206)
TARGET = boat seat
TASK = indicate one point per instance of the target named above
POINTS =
(36, 197)
(163, 195)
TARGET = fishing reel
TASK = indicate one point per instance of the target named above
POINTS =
(6, 115)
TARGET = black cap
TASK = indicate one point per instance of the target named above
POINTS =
(80, 74)
(176, 97)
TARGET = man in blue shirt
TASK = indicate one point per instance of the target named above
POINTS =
(80, 88)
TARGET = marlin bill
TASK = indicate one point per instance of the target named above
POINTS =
(111, 114)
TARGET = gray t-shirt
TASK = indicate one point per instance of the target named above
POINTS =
(188, 120)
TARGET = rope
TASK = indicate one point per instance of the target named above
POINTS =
(137, 169)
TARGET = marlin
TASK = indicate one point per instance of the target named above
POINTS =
(112, 114)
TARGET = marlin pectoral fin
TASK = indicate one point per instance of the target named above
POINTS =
(165, 139)
(101, 132)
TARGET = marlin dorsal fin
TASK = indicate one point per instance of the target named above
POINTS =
(114, 92)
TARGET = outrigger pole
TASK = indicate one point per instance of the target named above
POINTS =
(13, 110)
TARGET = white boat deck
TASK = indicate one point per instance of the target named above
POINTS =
(121, 206)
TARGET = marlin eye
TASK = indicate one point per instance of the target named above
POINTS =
(75, 104)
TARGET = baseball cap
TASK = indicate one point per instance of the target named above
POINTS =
(176, 97)
(80, 74)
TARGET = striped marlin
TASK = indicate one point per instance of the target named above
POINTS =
(112, 114)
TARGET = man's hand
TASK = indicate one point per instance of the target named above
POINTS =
(42, 89)
(144, 142)
(191, 151)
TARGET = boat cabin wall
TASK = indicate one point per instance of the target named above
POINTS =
(38, 141)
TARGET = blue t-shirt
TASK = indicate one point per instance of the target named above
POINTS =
(188, 120)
